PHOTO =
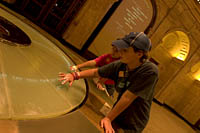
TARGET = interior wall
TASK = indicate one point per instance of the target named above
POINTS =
(130, 16)
(86, 21)
(176, 87)
(184, 91)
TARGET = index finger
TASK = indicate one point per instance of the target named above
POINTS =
(101, 124)
(61, 74)
(64, 82)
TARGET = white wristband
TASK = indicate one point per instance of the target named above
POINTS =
(74, 68)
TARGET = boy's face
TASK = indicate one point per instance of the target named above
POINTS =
(128, 55)
(115, 52)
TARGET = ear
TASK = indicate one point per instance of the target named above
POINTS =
(140, 53)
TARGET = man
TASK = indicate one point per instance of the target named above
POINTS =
(99, 62)
(135, 78)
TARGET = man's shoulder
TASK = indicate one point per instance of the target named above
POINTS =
(150, 67)
(113, 65)
(117, 63)
(103, 57)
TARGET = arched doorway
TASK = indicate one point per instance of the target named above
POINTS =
(170, 54)
(177, 44)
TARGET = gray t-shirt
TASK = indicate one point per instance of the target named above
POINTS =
(140, 81)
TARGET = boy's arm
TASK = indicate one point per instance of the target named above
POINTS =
(126, 99)
(70, 77)
(90, 63)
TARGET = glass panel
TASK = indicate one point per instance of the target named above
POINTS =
(61, 7)
(51, 21)
(41, 1)
(19, 3)
(63, 4)
(58, 11)
(33, 9)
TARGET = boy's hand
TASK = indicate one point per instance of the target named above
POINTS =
(64, 78)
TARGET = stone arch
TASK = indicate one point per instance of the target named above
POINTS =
(177, 44)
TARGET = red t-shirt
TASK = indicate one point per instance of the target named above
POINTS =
(104, 60)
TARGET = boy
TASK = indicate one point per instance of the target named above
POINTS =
(135, 79)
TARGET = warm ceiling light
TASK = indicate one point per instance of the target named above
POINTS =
(198, 78)
(177, 43)
(180, 57)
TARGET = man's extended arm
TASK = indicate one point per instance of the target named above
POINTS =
(70, 77)
(91, 63)
(126, 99)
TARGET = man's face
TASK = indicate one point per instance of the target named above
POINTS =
(128, 55)
(115, 52)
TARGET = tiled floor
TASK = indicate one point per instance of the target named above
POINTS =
(162, 120)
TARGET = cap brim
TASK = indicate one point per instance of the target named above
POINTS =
(120, 44)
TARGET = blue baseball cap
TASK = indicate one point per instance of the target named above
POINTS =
(136, 39)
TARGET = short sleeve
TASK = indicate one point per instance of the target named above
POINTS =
(143, 86)
(100, 61)
(109, 71)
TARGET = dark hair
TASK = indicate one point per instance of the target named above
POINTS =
(145, 54)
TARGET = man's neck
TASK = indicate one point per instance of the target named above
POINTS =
(134, 65)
